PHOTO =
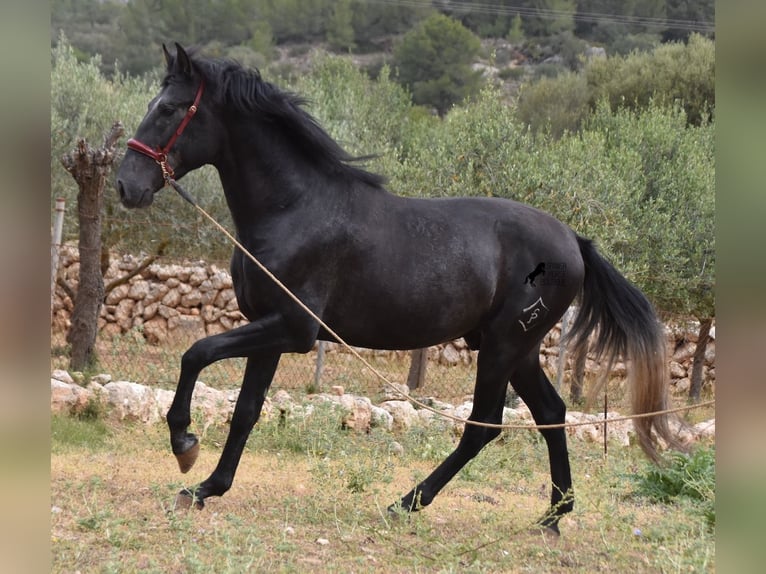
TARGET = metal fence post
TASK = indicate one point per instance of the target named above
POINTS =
(58, 229)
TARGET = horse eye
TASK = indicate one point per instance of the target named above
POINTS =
(166, 109)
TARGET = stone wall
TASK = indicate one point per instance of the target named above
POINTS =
(129, 401)
(187, 301)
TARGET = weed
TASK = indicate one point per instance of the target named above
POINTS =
(684, 476)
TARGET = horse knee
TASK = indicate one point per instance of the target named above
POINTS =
(196, 357)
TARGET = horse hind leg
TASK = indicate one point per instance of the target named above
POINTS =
(547, 407)
(489, 400)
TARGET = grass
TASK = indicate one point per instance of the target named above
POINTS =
(310, 497)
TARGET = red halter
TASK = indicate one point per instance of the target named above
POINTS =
(160, 155)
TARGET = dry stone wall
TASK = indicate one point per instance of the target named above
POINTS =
(186, 301)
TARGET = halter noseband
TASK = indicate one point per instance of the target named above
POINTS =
(160, 154)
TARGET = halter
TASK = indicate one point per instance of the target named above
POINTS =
(160, 154)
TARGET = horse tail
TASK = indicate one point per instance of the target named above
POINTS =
(629, 328)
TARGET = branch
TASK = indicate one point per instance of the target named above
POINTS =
(65, 286)
(144, 264)
(110, 140)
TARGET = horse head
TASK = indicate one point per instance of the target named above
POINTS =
(167, 143)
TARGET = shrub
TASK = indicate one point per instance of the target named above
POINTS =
(672, 73)
(556, 105)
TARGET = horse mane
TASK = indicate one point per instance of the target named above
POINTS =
(244, 90)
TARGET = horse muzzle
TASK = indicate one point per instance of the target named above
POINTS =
(132, 197)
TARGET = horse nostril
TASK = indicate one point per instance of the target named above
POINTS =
(120, 189)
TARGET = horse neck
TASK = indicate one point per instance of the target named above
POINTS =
(260, 182)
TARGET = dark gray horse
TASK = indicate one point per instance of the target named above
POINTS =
(383, 271)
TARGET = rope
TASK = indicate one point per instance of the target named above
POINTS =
(183, 193)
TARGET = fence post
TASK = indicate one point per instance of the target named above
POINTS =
(319, 366)
(58, 229)
(417, 375)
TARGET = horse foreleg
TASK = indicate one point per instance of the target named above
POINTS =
(258, 375)
(269, 335)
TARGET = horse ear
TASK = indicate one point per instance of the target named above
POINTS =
(183, 61)
(168, 57)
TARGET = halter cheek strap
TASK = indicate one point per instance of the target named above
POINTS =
(160, 154)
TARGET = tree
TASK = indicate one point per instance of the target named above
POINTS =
(698, 11)
(434, 62)
(556, 16)
(90, 168)
(340, 32)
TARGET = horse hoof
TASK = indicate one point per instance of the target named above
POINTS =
(396, 510)
(187, 459)
(547, 530)
(185, 500)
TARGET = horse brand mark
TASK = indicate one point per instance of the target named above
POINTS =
(552, 274)
(539, 270)
(532, 314)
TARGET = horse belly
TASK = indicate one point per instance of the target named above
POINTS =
(411, 310)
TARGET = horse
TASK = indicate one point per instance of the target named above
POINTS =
(384, 271)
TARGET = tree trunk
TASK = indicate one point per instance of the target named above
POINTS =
(699, 359)
(89, 168)
(578, 375)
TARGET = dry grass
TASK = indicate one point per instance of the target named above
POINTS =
(112, 492)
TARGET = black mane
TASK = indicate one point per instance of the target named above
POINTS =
(244, 90)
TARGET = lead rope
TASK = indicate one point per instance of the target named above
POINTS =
(184, 194)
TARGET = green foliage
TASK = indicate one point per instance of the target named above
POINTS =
(556, 105)
(434, 62)
(690, 477)
(131, 31)
(366, 116)
(474, 150)
(557, 16)
(671, 73)
(515, 34)
(340, 31)
(668, 203)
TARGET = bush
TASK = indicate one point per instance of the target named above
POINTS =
(367, 117)
(556, 105)
(672, 73)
